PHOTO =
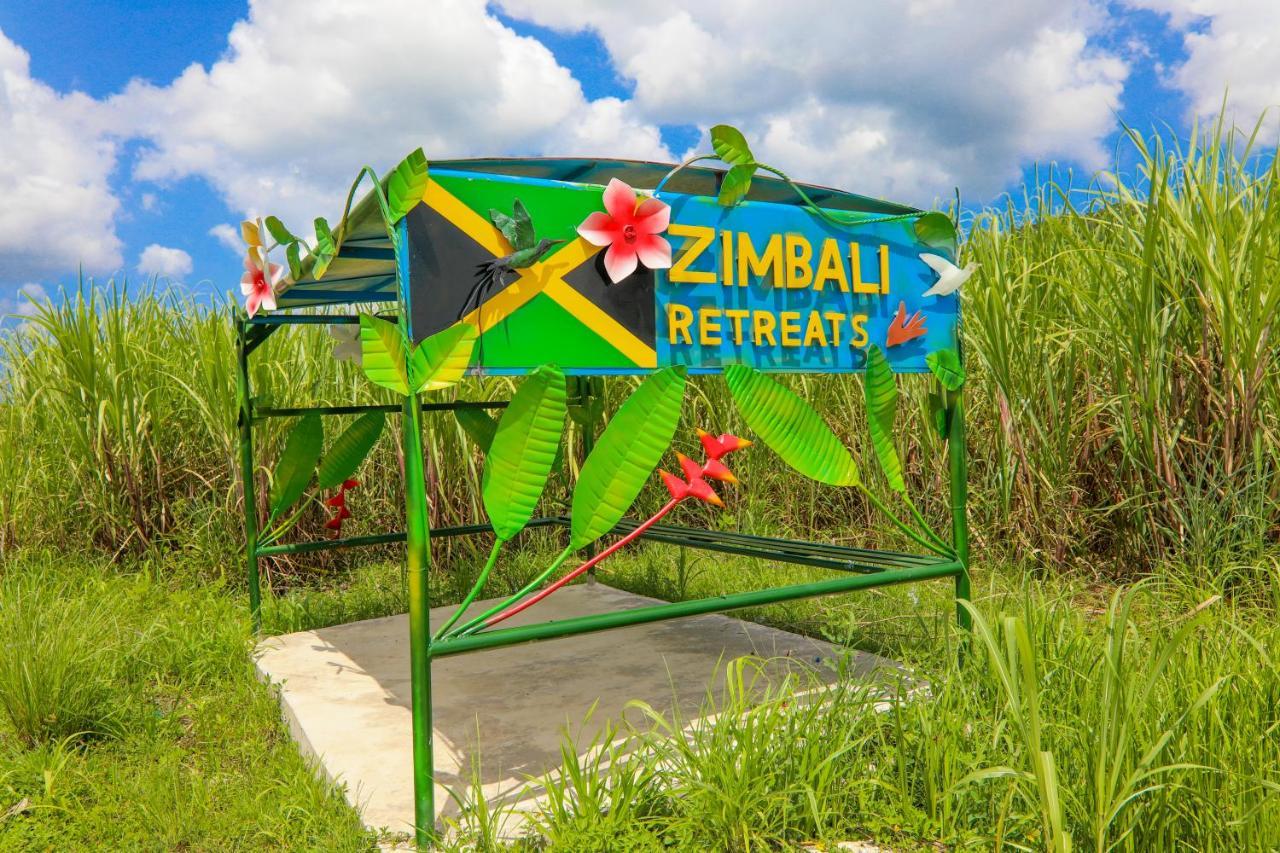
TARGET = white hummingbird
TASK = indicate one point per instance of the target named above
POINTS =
(950, 276)
(348, 346)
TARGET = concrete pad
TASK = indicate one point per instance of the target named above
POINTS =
(344, 692)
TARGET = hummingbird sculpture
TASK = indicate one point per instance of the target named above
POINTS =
(518, 229)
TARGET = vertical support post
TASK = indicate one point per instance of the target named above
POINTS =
(417, 568)
(248, 494)
(959, 502)
(418, 559)
(588, 444)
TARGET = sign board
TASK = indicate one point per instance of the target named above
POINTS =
(764, 283)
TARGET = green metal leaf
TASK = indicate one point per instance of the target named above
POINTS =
(790, 427)
(938, 413)
(350, 450)
(382, 350)
(737, 182)
(523, 451)
(731, 146)
(297, 463)
(936, 230)
(882, 404)
(325, 249)
(945, 364)
(406, 185)
(625, 455)
(442, 359)
(294, 258)
(478, 425)
(278, 232)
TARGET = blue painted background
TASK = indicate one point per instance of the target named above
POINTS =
(909, 277)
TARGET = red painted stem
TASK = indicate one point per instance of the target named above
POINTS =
(612, 549)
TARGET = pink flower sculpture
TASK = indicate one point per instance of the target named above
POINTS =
(631, 229)
(259, 285)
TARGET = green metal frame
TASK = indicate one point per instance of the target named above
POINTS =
(862, 568)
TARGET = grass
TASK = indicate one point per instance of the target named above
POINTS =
(1119, 692)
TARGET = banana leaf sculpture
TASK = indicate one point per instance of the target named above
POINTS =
(624, 457)
(797, 433)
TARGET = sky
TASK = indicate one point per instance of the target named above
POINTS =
(135, 135)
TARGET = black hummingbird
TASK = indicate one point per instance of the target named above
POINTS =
(518, 229)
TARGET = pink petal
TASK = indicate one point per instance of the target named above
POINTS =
(654, 251)
(620, 201)
(269, 300)
(246, 283)
(620, 261)
(251, 303)
(652, 216)
(599, 229)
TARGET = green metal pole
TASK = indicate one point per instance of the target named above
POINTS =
(418, 560)
(679, 609)
(248, 495)
(959, 502)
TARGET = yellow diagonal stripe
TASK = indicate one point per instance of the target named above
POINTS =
(543, 277)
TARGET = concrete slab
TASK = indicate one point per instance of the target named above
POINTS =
(344, 692)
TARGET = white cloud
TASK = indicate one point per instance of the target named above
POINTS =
(57, 210)
(899, 99)
(309, 91)
(229, 236)
(1233, 50)
(164, 261)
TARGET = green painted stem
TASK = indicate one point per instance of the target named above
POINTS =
(959, 503)
(924, 525)
(475, 590)
(822, 213)
(641, 615)
(525, 590)
(906, 531)
(248, 494)
(418, 562)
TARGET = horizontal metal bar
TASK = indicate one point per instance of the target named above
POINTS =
(294, 411)
(310, 319)
(824, 555)
(641, 615)
(385, 538)
(366, 253)
(343, 296)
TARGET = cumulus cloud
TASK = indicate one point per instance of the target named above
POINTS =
(899, 99)
(309, 91)
(57, 210)
(228, 235)
(164, 261)
(1233, 50)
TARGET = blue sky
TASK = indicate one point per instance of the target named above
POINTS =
(134, 135)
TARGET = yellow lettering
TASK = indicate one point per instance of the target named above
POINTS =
(709, 325)
(860, 336)
(814, 333)
(726, 259)
(831, 267)
(790, 328)
(679, 318)
(884, 268)
(799, 258)
(762, 326)
(767, 265)
(836, 320)
(855, 265)
(737, 315)
(702, 236)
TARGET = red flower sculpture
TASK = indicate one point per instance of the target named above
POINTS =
(339, 502)
(718, 445)
(631, 229)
